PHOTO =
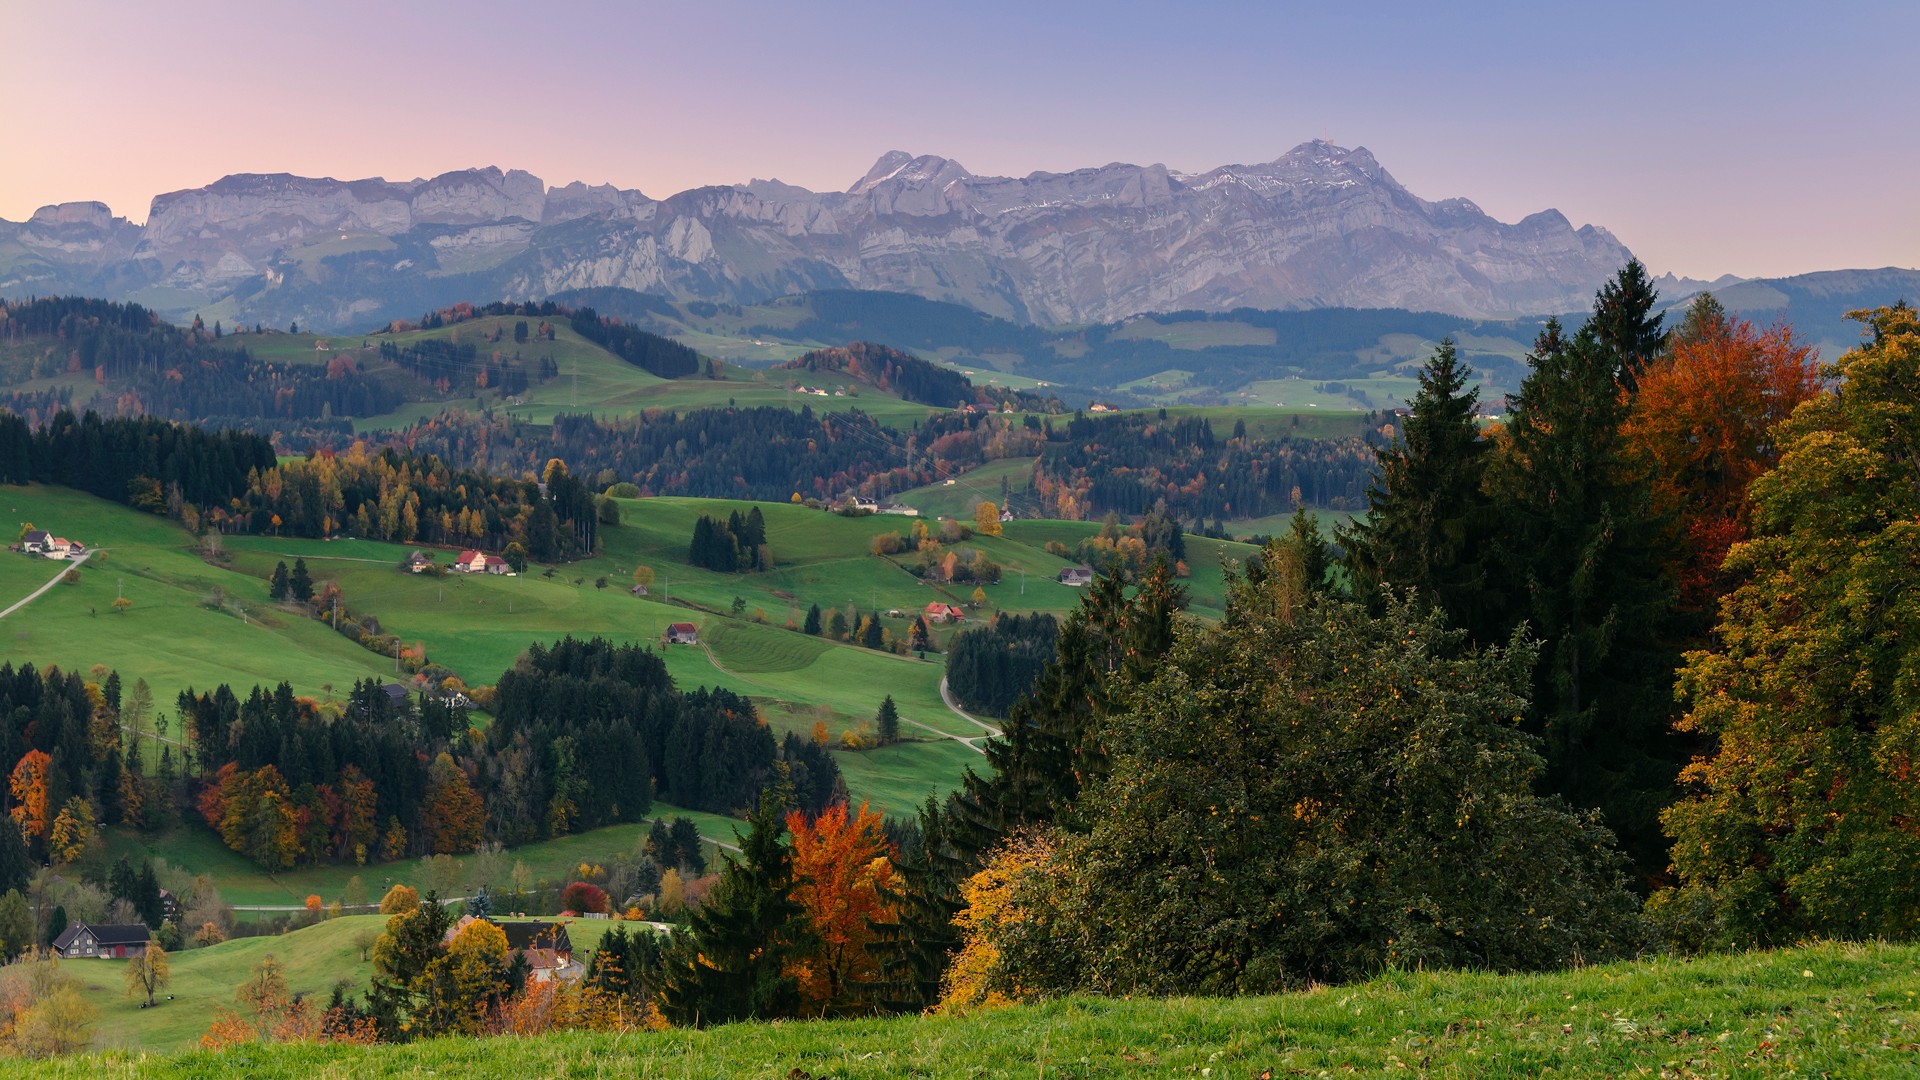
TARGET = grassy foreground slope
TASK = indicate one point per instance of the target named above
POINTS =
(1824, 1010)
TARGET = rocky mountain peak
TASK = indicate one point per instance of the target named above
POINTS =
(901, 168)
(90, 214)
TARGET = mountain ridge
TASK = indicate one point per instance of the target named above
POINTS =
(1320, 225)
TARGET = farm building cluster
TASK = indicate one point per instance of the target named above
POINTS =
(48, 546)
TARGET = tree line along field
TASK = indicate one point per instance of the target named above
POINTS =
(1819, 1010)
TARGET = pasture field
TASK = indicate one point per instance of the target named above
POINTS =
(478, 625)
(203, 981)
(957, 500)
(175, 634)
(1273, 423)
(1377, 392)
(591, 380)
(1817, 1010)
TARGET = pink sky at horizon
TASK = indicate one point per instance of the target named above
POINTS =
(1772, 143)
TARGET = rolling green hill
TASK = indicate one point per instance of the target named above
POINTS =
(200, 623)
(1821, 1010)
(591, 379)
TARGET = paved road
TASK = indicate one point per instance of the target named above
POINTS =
(35, 595)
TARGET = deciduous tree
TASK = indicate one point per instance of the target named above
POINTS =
(841, 861)
(1800, 824)
(148, 972)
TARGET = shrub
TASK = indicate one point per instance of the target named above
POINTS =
(583, 898)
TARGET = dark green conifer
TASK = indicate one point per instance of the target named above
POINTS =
(1580, 545)
(1428, 523)
(731, 963)
(1624, 326)
(300, 583)
(912, 950)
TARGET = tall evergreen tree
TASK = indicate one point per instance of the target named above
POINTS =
(278, 584)
(912, 950)
(886, 722)
(300, 582)
(1580, 542)
(812, 625)
(730, 964)
(1428, 524)
(1623, 323)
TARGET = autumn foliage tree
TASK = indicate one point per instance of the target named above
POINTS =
(1703, 418)
(456, 818)
(467, 980)
(842, 861)
(1801, 823)
(29, 784)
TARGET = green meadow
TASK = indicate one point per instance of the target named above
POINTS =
(1818, 1010)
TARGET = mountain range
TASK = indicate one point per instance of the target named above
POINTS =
(1320, 226)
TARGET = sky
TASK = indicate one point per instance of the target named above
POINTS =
(1757, 139)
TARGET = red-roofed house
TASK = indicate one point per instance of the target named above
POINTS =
(683, 633)
(474, 562)
(941, 613)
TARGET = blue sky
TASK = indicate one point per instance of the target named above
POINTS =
(1712, 138)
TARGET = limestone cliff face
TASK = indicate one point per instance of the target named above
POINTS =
(1319, 226)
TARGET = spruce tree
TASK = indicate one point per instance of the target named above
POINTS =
(1428, 524)
(1303, 536)
(886, 722)
(812, 625)
(1581, 546)
(1623, 323)
(277, 585)
(300, 583)
(912, 950)
(871, 633)
(731, 962)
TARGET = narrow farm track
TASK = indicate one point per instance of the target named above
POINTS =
(961, 739)
(946, 695)
(35, 594)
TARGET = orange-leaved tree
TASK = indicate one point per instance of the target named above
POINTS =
(843, 864)
(30, 794)
(1703, 420)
